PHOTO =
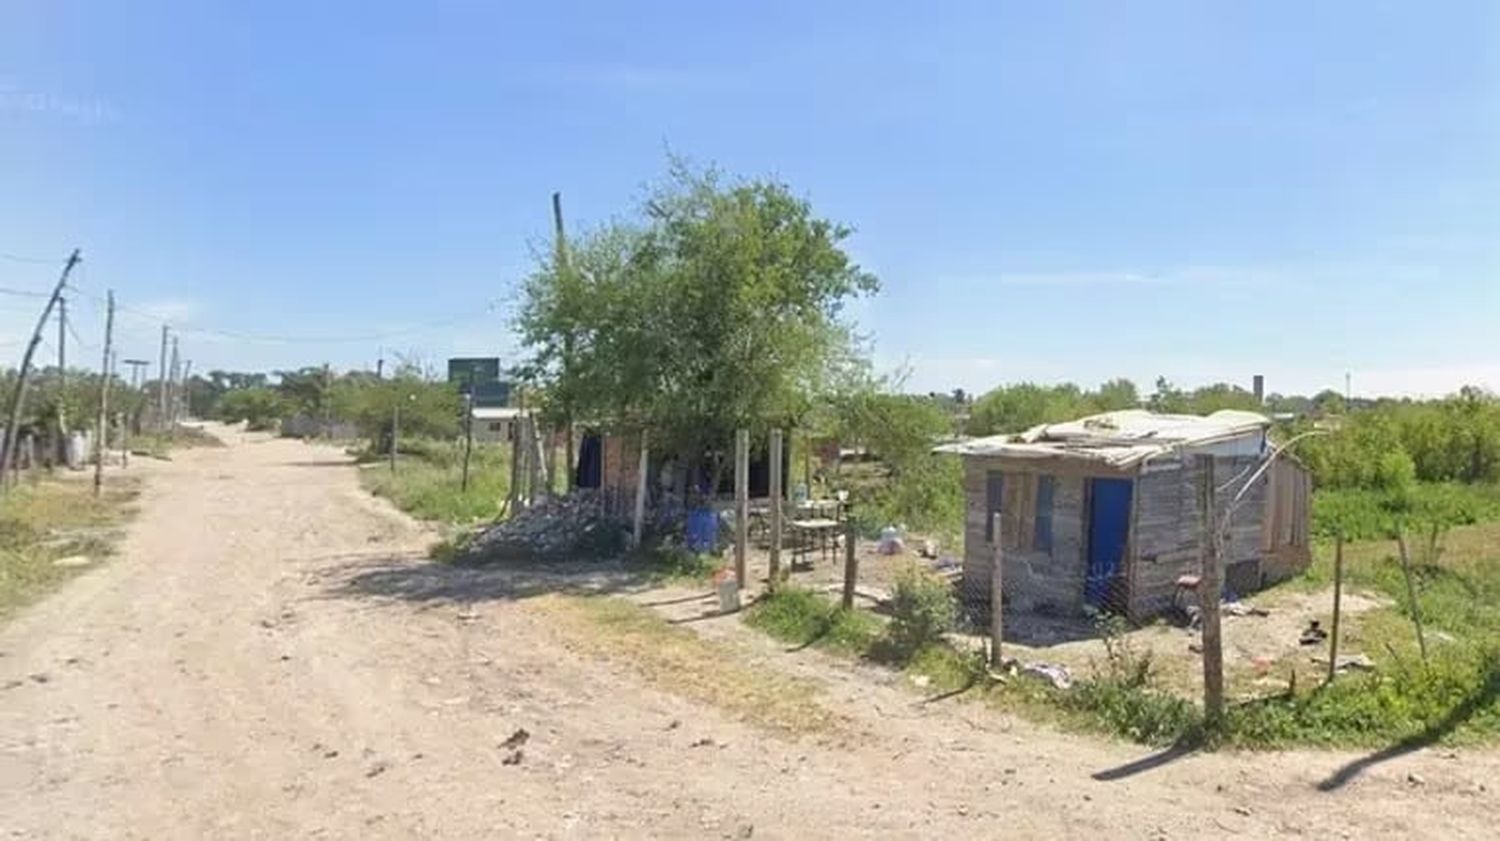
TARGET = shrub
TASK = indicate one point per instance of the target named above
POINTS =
(922, 610)
(802, 617)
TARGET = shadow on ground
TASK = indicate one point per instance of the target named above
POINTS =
(1487, 695)
(414, 579)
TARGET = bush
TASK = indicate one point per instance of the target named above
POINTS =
(802, 617)
(922, 610)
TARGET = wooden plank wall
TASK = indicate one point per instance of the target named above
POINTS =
(1167, 527)
(1034, 579)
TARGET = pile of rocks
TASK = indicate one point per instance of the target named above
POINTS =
(567, 526)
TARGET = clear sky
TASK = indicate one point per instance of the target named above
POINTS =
(1048, 190)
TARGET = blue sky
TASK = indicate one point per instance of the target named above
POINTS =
(1048, 191)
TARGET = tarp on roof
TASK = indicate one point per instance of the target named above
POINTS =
(1116, 439)
(492, 413)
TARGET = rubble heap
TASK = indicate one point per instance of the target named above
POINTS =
(572, 526)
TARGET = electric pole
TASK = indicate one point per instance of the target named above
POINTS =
(62, 366)
(161, 383)
(104, 378)
(172, 389)
(186, 399)
(18, 394)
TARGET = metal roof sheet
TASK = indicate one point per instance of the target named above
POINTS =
(1118, 439)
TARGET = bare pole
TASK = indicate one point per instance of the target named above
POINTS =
(564, 267)
(997, 603)
(640, 492)
(173, 392)
(161, 383)
(774, 573)
(102, 427)
(18, 394)
(395, 429)
(851, 565)
(741, 503)
(1411, 591)
(62, 366)
(1338, 592)
(1210, 587)
(468, 430)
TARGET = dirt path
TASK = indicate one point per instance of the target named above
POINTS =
(270, 658)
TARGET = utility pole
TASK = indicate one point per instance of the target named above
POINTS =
(380, 365)
(161, 383)
(18, 394)
(564, 267)
(62, 366)
(173, 391)
(104, 378)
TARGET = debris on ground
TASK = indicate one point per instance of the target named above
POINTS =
(1351, 663)
(1314, 635)
(1054, 673)
(516, 739)
(929, 549)
(1243, 609)
(563, 525)
(514, 757)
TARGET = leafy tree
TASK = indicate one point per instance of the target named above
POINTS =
(259, 407)
(718, 309)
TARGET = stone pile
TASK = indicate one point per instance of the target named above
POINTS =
(573, 525)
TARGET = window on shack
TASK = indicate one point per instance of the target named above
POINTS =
(1041, 536)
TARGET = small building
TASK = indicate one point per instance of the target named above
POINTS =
(1104, 512)
(495, 424)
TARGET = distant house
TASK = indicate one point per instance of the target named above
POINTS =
(495, 424)
(1103, 511)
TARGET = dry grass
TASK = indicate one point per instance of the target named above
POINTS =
(681, 662)
(49, 519)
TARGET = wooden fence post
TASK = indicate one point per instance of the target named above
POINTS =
(851, 565)
(997, 601)
(1411, 592)
(1211, 587)
(640, 493)
(1338, 591)
(774, 575)
(741, 503)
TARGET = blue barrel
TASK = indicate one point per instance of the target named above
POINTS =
(702, 533)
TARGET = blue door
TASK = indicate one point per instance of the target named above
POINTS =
(1109, 528)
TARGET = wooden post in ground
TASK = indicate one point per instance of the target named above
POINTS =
(395, 430)
(1338, 592)
(851, 565)
(8, 460)
(1211, 586)
(513, 499)
(1411, 592)
(101, 445)
(741, 503)
(123, 419)
(640, 493)
(997, 601)
(774, 574)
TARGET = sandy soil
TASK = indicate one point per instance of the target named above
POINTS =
(270, 658)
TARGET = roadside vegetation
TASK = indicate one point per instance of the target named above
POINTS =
(46, 521)
(428, 480)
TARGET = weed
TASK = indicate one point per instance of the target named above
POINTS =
(922, 610)
(428, 483)
(43, 521)
(802, 617)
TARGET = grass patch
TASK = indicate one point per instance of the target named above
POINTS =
(1365, 514)
(679, 661)
(160, 444)
(45, 520)
(801, 617)
(668, 563)
(428, 482)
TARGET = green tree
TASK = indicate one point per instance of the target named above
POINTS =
(720, 308)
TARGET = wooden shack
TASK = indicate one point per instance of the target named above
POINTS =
(1103, 512)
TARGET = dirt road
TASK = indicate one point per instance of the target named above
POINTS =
(269, 658)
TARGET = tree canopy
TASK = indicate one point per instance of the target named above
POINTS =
(718, 306)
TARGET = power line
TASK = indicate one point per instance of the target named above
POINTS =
(24, 293)
(489, 308)
(19, 259)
